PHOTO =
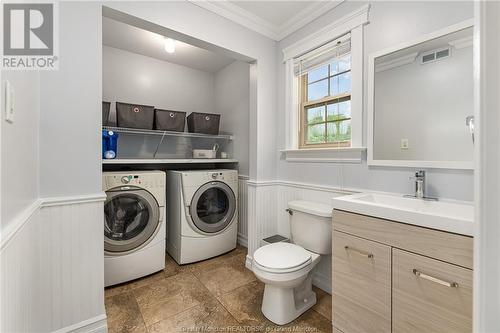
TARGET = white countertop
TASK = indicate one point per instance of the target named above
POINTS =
(446, 215)
(169, 161)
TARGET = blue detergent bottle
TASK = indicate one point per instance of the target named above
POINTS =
(109, 144)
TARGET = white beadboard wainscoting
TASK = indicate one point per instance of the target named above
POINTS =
(52, 267)
(261, 213)
(267, 216)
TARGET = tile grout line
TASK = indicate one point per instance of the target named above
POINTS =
(175, 314)
(219, 301)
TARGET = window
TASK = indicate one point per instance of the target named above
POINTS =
(325, 104)
(324, 93)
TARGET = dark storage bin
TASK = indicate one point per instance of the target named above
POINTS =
(134, 115)
(206, 123)
(105, 113)
(168, 120)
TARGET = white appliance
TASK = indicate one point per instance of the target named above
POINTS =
(134, 227)
(202, 214)
(286, 268)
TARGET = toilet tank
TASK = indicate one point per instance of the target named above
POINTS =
(311, 225)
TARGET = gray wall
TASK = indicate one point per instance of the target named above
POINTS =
(70, 122)
(232, 101)
(19, 146)
(134, 78)
(390, 23)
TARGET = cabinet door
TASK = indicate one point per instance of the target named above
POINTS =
(361, 285)
(430, 295)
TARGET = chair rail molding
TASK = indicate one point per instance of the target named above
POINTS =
(22, 218)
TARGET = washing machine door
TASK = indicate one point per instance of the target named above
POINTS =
(131, 219)
(213, 207)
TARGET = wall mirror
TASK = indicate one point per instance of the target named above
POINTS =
(421, 102)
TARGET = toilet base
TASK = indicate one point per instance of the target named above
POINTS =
(283, 305)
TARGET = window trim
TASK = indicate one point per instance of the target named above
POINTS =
(351, 23)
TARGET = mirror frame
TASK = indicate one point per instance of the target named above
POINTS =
(463, 165)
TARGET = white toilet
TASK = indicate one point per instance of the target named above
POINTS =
(286, 268)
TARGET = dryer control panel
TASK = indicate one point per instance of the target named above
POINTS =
(192, 178)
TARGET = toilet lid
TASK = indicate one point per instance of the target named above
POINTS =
(281, 256)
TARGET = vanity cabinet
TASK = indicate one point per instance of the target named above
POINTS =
(389, 276)
(430, 295)
(362, 275)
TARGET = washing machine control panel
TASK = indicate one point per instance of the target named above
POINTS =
(142, 180)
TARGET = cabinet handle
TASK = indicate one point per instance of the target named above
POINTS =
(434, 279)
(363, 253)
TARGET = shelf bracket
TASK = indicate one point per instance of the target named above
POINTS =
(159, 144)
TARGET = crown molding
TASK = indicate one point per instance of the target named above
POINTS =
(398, 62)
(461, 43)
(253, 22)
(306, 16)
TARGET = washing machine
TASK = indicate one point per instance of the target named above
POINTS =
(134, 227)
(202, 215)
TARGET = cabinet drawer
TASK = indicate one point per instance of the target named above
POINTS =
(361, 295)
(445, 246)
(424, 297)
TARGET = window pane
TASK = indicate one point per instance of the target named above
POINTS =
(315, 133)
(340, 84)
(332, 112)
(344, 109)
(338, 111)
(339, 131)
(317, 90)
(316, 115)
(317, 74)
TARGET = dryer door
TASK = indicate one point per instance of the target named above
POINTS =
(131, 219)
(213, 207)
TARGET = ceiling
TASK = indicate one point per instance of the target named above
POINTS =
(129, 38)
(274, 19)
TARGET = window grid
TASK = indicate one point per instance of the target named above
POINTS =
(325, 102)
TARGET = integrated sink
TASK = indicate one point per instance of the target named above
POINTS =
(451, 216)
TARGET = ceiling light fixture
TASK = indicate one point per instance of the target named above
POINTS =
(169, 45)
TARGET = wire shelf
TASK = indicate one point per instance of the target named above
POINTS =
(166, 133)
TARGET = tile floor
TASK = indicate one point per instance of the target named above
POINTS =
(216, 295)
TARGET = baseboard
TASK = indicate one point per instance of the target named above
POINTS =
(93, 325)
(323, 282)
(248, 262)
(242, 240)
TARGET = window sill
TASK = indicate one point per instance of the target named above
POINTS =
(325, 155)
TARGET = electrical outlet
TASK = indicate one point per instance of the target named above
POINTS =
(405, 144)
(9, 102)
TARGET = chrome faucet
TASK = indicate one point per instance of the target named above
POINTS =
(419, 186)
